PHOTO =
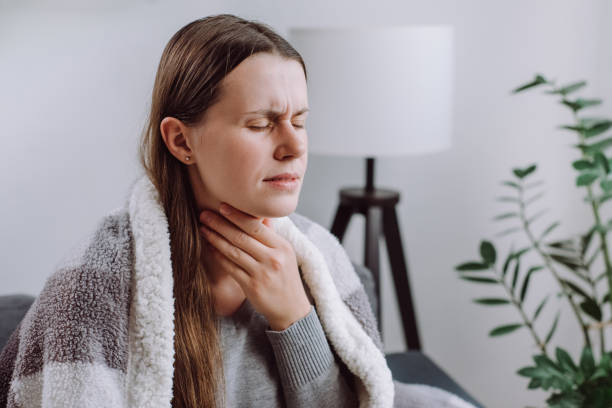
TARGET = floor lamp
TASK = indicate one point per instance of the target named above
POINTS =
(378, 92)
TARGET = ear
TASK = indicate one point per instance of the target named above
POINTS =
(174, 135)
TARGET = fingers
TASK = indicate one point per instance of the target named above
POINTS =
(252, 226)
(234, 260)
(225, 265)
(234, 235)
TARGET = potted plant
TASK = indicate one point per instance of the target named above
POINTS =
(574, 262)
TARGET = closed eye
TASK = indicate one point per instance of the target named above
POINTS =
(264, 127)
(258, 127)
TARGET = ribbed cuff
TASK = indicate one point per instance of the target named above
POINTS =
(301, 350)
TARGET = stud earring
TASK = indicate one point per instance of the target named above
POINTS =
(187, 158)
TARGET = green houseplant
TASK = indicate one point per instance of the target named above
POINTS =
(572, 261)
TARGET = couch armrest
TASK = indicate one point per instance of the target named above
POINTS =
(12, 310)
(414, 367)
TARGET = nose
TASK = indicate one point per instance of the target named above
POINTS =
(291, 141)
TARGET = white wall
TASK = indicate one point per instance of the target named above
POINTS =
(75, 88)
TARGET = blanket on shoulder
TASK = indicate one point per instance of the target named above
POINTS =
(100, 333)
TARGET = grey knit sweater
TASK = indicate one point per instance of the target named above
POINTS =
(295, 367)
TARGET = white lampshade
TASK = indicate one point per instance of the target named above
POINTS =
(378, 91)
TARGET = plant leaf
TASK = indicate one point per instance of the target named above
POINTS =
(583, 164)
(587, 364)
(479, 280)
(601, 373)
(534, 269)
(539, 308)
(568, 88)
(511, 184)
(509, 259)
(606, 361)
(586, 240)
(524, 287)
(538, 80)
(565, 360)
(590, 127)
(548, 230)
(593, 257)
(570, 262)
(590, 307)
(575, 288)
(597, 128)
(507, 328)
(581, 103)
(533, 372)
(543, 361)
(520, 253)
(487, 252)
(492, 301)
(567, 399)
(508, 199)
(526, 280)
(600, 277)
(516, 273)
(590, 122)
(602, 162)
(552, 329)
(534, 383)
(564, 244)
(586, 178)
(595, 147)
(522, 173)
(472, 266)
(606, 185)
(505, 216)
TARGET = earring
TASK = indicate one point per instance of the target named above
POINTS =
(187, 158)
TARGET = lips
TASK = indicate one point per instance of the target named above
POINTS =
(281, 179)
(284, 176)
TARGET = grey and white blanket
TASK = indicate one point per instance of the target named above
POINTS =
(100, 333)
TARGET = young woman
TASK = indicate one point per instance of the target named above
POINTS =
(228, 116)
(173, 301)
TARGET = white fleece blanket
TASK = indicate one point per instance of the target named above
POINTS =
(100, 333)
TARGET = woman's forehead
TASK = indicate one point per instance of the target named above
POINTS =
(266, 101)
(270, 86)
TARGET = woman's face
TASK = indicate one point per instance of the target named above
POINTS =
(230, 157)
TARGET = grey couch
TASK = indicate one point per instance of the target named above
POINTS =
(410, 367)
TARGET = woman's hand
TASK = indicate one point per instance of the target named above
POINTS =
(261, 261)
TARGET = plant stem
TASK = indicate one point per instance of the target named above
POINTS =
(528, 323)
(550, 267)
(602, 339)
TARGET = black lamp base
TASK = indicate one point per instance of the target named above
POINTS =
(378, 207)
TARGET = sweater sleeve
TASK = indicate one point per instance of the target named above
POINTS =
(309, 373)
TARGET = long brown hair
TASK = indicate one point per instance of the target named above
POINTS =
(188, 82)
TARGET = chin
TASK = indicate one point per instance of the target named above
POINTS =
(278, 210)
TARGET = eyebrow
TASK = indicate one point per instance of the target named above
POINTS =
(273, 113)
